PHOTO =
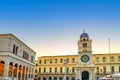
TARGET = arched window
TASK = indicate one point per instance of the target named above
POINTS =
(44, 61)
(84, 45)
(97, 59)
(67, 69)
(104, 69)
(55, 69)
(118, 58)
(73, 70)
(73, 60)
(104, 59)
(44, 70)
(50, 70)
(119, 69)
(39, 70)
(36, 71)
(40, 61)
(112, 68)
(97, 70)
(55, 60)
(61, 69)
(112, 59)
(13, 48)
(16, 50)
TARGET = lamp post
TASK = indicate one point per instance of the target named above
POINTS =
(65, 62)
(13, 72)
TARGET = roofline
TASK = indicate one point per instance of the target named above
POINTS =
(10, 34)
(58, 56)
(77, 55)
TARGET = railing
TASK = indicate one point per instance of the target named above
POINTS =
(55, 73)
(102, 73)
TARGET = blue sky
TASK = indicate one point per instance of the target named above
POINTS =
(53, 27)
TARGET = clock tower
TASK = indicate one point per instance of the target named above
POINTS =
(85, 69)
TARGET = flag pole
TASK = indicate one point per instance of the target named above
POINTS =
(110, 57)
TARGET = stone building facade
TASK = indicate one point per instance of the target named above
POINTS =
(16, 59)
(84, 66)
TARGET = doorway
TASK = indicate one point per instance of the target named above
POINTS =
(85, 75)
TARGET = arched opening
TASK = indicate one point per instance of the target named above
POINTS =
(67, 78)
(50, 78)
(55, 78)
(2, 68)
(85, 75)
(10, 69)
(39, 78)
(44, 78)
(60, 78)
(27, 73)
(23, 72)
(73, 78)
(15, 70)
(19, 72)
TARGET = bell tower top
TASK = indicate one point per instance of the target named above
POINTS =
(84, 44)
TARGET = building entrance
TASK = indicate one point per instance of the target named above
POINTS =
(85, 75)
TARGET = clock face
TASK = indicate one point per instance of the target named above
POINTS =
(85, 58)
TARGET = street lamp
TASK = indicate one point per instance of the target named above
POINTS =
(65, 62)
(13, 72)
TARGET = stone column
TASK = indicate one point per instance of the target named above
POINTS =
(17, 72)
(25, 73)
(6, 69)
(33, 74)
(21, 72)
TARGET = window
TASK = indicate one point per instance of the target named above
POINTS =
(50, 60)
(67, 60)
(13, 48)
(73, 70)
(50, 69)
(67, 70)
(39, 70)
(32, 58)
(119, 69)
(40, 61)
(112, 59)
(84, 45)
(97, 69)
(16, 50)
(36, 71)
(36, 65)
(97, 59)
(44, 70)
(61, 69)
(55, 60)
(104, 69)
(44, 61)
(104, 59)
(112, 68)
(55, 69)
(73, 60)
(119, 59)
(61, 60)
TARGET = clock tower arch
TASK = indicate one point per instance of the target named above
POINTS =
(85, 66)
